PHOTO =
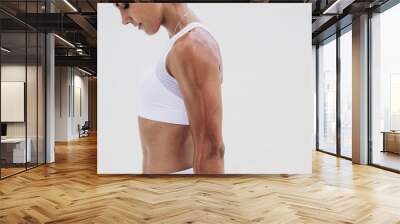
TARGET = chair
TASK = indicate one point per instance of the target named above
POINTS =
(84, 130)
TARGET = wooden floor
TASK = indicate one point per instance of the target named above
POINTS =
(387, 159)
(5, 172)
(70, 191)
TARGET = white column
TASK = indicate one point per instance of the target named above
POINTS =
(50, 110)
(50, 92)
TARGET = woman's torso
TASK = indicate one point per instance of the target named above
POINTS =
(163, 121)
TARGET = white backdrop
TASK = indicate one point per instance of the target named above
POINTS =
(267, 91)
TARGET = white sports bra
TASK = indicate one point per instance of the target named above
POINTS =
(160, 97)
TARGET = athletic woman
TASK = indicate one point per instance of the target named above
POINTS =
(180, 115)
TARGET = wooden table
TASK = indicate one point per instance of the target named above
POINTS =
(391, 141)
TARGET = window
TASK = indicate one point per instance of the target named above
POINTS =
(22, 77)
(327, 96)
(385, 89)
(346, 93)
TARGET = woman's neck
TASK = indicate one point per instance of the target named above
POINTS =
(176, 16)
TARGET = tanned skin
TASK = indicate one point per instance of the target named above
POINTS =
(195, 62)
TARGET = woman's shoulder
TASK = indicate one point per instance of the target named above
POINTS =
(196, 43)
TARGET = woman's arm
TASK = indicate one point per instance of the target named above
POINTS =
(195, 65)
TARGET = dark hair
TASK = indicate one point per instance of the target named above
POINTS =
(126, 5)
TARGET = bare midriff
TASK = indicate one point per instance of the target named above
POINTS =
(167, 148)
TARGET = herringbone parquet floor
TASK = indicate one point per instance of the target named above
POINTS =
(70, 191)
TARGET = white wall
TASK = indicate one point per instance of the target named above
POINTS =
(33, 127)
(67, 80)
(80, 83)
(267, 91)
(18, 73)
(11, 73)
(12, 101)
(61, 103)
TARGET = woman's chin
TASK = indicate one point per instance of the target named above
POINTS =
(151, 32)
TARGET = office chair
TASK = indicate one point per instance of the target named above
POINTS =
(84, 130)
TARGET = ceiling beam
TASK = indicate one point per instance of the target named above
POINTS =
(337, 7)
(85, 25)
(83, 61)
